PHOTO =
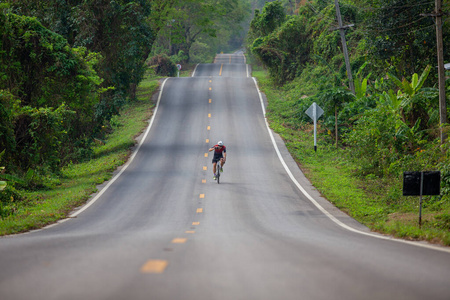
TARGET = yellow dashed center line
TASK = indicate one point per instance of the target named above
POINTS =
(199, 210)
(220, 73)
(209, 100)
(206, 154)
(190, 231)
(205, 167)
(209, 115)
(179, 240)
(203, 180)
(207, 140)
(208, 128)
(154, 266)
(195, 223)
(202, 196)
(210, 89)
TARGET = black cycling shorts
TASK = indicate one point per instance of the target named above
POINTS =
(216, 158)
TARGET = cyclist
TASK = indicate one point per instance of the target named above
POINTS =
(220, 154)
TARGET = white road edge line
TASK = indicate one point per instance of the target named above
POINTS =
(128, 162)
(323, 210)
(193, 73)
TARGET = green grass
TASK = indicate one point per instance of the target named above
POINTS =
(376, 202)
(79, 181)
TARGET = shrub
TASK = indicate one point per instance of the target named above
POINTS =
(163, 65)
(43, 84)
(285, 51)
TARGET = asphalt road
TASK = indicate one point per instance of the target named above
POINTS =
(164, 229)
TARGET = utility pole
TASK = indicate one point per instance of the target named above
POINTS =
(441, 69)
(344, 45)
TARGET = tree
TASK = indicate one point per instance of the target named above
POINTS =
(333, 100)
(400, 36)
(43, 84)
(212, 23)
(286, 50)
(265, 22)
(119, 30)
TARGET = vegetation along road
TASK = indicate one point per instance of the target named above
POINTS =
(163, 229)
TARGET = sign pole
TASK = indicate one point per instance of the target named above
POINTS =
(424, 183)
(179, 68)
(314, 112)
(420, 202)
(315, 127)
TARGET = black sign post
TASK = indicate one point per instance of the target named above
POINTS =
(420, 184)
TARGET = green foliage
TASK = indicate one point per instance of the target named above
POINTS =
(37, 206)
(10, 199)
(7, 139)
(390, 136)
(214, 23)
(417, 103)
(350, 180)
(119, 31)
(285, 51)
(48, 93)
(332, 101)
(179, 57)
(389, 126)
(264, 23)
(398, 34)
(163, 65)
(201, 53)
(3, 184)
(361, 83)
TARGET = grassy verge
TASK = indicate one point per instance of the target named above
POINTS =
(376, 202)
(79, 181)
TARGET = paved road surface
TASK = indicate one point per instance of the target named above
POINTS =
(165, 230)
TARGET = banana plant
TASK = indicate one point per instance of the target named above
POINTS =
(409, 96)
(361, 84)
(411, 88)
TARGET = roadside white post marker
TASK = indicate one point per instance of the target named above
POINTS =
(179, 68)
(314, 112)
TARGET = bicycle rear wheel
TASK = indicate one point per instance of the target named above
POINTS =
(218, 173)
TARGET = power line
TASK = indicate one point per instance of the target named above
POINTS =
(413, 31)
(395, 7)
(399, 27)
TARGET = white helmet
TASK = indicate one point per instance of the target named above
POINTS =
(220, 143)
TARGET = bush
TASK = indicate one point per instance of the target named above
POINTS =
(44, 83)
(200, 52)
(9, 200)
(163, 65)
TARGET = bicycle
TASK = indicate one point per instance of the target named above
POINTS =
(218, 167)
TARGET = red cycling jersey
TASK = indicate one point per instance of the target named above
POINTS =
(219, 150)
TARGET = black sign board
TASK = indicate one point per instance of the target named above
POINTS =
(431, 183)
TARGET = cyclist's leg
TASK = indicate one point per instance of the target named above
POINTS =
(214, 167)
(214, 162)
